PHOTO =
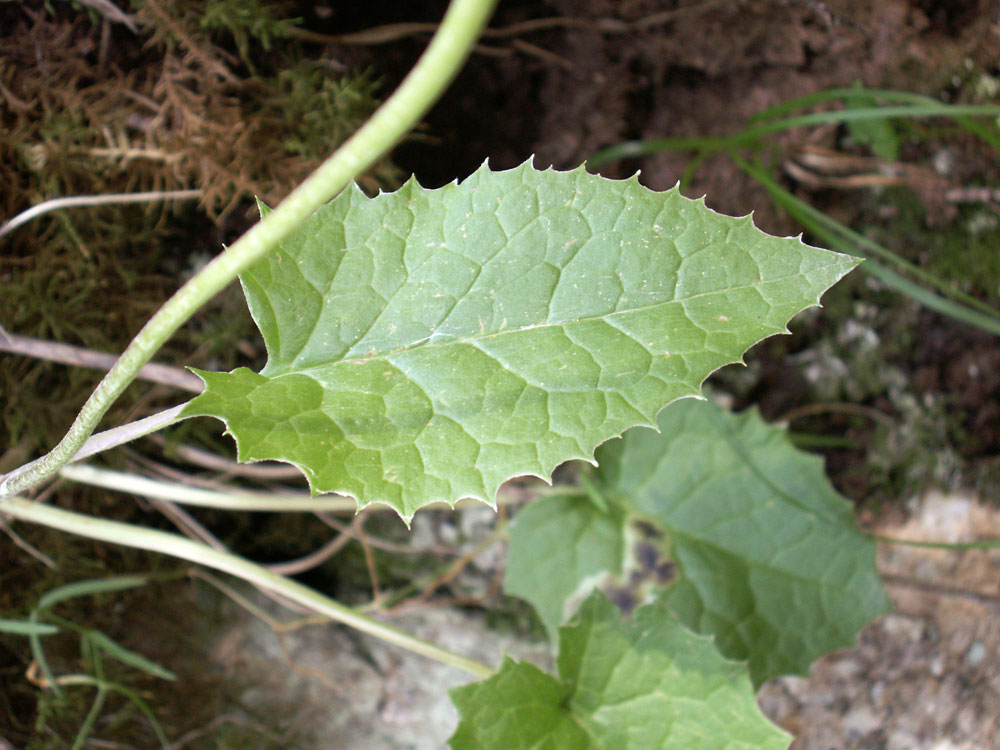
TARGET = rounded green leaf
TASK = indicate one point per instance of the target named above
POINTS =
(770, 559)
(646, 685)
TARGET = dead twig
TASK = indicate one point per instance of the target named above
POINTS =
(313, 559)
(991, 600)
(810, 410)
(450, 573)
(395, 31)
(612, 26)
(359, 528)
(207, 460)
(79, 357)
(77, 201)
(31, 550)
(219, 721)
(277, 627)
(186, 523)
(384, 544)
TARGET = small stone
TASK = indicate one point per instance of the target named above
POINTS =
(861, 721)
(976, 653)
(937, 666)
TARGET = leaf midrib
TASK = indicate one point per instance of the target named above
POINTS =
(471, 340)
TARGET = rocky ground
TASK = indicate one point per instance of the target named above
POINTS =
(923, 677)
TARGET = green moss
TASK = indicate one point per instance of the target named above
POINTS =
(961, 251)
(320, 109)
(247, 21)
(184, 114)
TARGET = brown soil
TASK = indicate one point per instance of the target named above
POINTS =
(702, 67)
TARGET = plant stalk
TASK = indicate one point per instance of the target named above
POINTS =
(170, 544)
(434, 71)
(77, 201)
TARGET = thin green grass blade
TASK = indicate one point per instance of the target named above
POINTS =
(860, 241)
(128, 657)
(889, 95)
(25, 627)
(854, 240)
(914, 111)
(89, 587)
(635, 149)
(83, 733)
(920, 108)
(819, 224)
(38, 653)
(91, 655)
(63, 593)
(139, 703)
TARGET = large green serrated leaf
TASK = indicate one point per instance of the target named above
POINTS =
(647, 685)
(428, 345)
(770, 559)
(560, 546)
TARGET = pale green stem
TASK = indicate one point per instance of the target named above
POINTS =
(426, 82)
(77, 201)
(95, 710)
(236, 499)
(125, 433)
(116, 436)
(196, 552)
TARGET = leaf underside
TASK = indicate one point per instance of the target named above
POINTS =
(647, 685)
(561, 546)
(427, 345)
(769, 558)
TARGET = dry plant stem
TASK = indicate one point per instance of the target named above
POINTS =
(35, 553)
(201, 554)
(929, 587)
(395, 31)
(312, 560)
(147, 467)
(277, 625)
(383, 544)
(238, 499)
(359, 532)
(219, 721)
(811, 410)
(77, 356)
(186, 524)
(268, 502)
(116, 436)
(208, 460)
(77, 201)
(421, 88)
(457, 567)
